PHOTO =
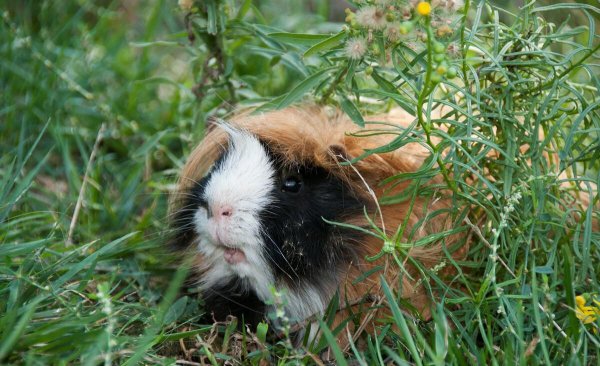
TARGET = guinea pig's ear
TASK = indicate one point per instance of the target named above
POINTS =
(339, 153)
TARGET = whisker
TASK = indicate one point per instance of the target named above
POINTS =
(178, 212)
(283, 255)
(190, 179)
(185, 194)
(278, 266)
(174, 221)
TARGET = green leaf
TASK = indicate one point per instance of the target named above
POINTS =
(15, 249)
(298, 38)
(351, 110)
(289, 59)
(306, 85)
(566, 6)
(10, 194)
(149, 145)
(175, 311)
(404, 102)
(567, 280)
(152, 44)
(544, 270)
(89, 260)
(326, 44)
(261, 331)
(401, 321)
(15, 333)
(182, 335)
(243, 9)
(149, 338)
(332, 341)
(211, 9)
(383, 83)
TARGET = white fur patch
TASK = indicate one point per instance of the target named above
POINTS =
(243, 182)
(305, 302)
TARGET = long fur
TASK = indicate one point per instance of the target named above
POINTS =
(326, 139)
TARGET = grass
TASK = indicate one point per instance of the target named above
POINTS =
(112, 294)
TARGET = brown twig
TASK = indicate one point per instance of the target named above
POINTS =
(84, 184)
(185, 362)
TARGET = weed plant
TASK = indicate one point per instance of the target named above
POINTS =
(103, 101)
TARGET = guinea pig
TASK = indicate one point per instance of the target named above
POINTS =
(270, 201)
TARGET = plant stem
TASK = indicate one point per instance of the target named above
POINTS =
(334, 85)
(565, 72)
(426, 125)
(462, 42)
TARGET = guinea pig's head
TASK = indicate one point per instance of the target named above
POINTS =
(259, 217)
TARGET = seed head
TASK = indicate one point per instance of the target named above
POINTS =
(371, 17)
(356, 48)
(392, 32)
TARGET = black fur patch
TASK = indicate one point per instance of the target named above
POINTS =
(234, 298)
(301, 246)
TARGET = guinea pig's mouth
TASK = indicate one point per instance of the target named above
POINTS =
(233, 255)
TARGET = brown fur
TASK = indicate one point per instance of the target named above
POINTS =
(325, 138)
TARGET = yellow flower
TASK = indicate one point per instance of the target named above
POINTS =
(587, 314)
(424, 8)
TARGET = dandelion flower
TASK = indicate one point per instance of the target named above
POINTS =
(587, 314)
(424, 8)
(371, 17)
(356, 48)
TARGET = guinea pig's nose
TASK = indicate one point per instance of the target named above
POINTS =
(220, 211)
(225, 211)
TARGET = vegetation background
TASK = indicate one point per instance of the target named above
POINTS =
(117, 92)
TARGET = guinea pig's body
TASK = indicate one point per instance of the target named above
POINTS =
(257, 200)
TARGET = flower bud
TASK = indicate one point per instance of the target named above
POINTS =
(438, 47)
(405, 27)
(451, 73)
(442, 69)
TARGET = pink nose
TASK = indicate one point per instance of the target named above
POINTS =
(224, 210)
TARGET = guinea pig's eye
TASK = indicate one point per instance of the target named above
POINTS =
(291, 184)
